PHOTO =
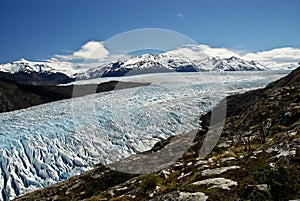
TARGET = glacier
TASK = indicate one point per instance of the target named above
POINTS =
(45, 144)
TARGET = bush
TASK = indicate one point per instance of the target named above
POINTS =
(247, 192)
(260, 173)
(283, 182)
(149, 182)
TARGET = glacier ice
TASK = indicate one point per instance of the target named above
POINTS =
(48, 143)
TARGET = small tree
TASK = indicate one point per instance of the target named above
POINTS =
(265, 128)
(247, 143)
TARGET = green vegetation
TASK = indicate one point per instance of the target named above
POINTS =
(283, 182)
(150, 181)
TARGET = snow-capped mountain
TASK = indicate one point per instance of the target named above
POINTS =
(39, 73)
(149, 63)
(229, 64)
(52, 66)
(146, 63)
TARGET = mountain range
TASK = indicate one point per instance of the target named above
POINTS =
(186, 58)
(150, 63)
(56, 72)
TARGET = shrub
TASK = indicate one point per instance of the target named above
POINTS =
(149, 182)
(283, 182)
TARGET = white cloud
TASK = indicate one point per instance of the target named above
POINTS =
(280, 58)
(285, 54)
(220, 52)
(196, 52)
(279, 55)
(92, 50)
(91, 54)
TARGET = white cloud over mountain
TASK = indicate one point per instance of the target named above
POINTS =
(94, 52)
(196, 52)
(285, 54)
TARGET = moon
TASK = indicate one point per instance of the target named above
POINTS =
(180, 16)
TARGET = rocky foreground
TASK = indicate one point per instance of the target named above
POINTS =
(256, 158)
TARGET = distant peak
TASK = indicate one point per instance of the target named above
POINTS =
(233, 58)
(22, 60)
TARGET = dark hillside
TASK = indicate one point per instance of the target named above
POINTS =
(14, 96)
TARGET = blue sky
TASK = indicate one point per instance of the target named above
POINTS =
(36, 30)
